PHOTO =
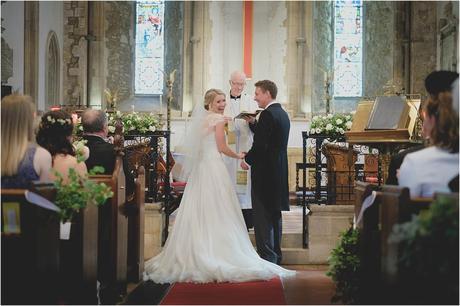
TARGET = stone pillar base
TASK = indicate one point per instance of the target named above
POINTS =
(325, 224)
(154, 221)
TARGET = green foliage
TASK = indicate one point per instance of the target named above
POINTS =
(78, 192)
(429, 244)
(344, 267)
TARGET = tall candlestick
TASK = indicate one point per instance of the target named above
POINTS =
(161, 103)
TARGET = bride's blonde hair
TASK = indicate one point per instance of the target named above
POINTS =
(210, 95)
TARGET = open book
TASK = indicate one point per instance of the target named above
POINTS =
(248, 114)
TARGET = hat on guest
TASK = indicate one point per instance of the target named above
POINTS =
(440, 81)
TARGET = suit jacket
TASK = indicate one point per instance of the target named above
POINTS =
(395, 163)
(268, 158)
(102, 153)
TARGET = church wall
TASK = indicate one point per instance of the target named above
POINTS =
(51, 19)
(13, 22)
(226, 47)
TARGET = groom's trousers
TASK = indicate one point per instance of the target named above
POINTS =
(267, 230)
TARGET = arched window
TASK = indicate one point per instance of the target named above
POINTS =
(149, 63)
(348, 48)
(52, 70)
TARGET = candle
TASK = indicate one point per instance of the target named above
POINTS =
(161, 103)
(132, 107)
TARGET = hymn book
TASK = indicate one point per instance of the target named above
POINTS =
(389, 113)
(248, 114)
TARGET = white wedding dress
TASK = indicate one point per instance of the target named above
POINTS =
(209, 241)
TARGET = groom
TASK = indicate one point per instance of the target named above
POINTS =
(269, 170)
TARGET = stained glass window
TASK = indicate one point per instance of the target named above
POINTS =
(149, 47)
(348, 48)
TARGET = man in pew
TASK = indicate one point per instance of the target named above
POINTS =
(101, 151)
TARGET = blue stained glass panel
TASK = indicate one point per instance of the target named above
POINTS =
(348, 55)
(149, 64)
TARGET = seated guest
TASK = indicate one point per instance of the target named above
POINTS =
(22, 160)
(55, 135)
(435, 83)
(101, 152)
(431, 169)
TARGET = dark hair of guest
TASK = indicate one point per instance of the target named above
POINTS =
(54, 131)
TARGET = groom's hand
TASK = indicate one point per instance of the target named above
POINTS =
(243, 165)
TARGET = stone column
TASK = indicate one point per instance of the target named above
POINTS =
(299, 57)
(31, 15)
(75, 55)
(154, 220)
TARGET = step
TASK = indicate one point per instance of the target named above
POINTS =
(289, 240)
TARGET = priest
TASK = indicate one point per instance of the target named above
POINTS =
(239, 139)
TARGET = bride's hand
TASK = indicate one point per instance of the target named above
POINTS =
(241, 155)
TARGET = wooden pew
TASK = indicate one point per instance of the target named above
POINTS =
(369, 246)
(113, 234)
(30, 257)
(79, 257)
(397, 207)
(136, 220)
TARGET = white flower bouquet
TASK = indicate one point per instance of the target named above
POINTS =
(135, 123)
(333, 125)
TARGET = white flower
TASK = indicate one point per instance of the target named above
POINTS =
(111, 129)
(132, 128)
(312, 131)
(318, 131)
(329, 127)
(348, 117)
(341, 131)
(339, 121)
(80, 128)
(329, 116)
(315, 118)
(348, 124)
(152, 128)
(353, 112)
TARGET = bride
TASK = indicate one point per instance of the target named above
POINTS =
(209, 241)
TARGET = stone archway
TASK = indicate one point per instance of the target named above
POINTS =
(52, 73)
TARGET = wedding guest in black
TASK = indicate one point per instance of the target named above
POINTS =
(102, 153)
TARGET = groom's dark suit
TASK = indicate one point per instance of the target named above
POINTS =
(269, 179)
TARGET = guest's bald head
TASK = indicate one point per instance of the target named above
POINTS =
(94, 121)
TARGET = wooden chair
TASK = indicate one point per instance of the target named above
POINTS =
(30, 250)
(136, 221)
(113, 232)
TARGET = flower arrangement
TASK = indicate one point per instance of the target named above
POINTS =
(135, 123)
(333, 125)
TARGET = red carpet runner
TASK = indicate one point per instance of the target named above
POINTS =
(249, 293)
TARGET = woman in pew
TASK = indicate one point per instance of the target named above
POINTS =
(55, 135)
(430, 170)
(22, 160)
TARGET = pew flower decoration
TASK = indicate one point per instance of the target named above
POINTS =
(333, 125)
(135, 123)
(78, 191)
